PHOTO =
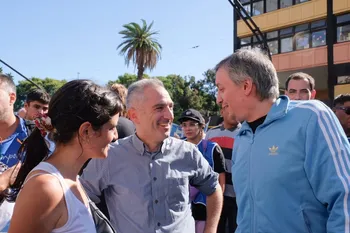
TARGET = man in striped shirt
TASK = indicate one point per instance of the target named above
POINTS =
(224, 136)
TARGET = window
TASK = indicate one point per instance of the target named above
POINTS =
(286, 31)
(318, 38)
(247, 8)
(302, 41)
(258, 8)
(287, 44)
(247, 40)
(343, 18)
(298, 37)
(271, 35)
(300, 28)
(343, 28)
(271, 5)
(273, 46)
(318, 24)
(286, 3)
(343, 33)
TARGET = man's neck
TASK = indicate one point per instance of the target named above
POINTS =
(151, 146)
(8, 126)
(260, 109)
(229, 126)
(195, 140)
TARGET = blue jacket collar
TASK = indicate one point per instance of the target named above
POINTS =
(278, 110)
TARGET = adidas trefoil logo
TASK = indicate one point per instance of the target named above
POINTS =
(273, 150)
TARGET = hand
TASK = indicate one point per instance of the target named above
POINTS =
(9, 176)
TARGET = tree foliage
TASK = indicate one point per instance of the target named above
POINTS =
(140, 46)
(186, 92)
(50, 85)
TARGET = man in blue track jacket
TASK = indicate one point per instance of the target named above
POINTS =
(291, 165)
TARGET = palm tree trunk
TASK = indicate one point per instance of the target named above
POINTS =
(140, 70)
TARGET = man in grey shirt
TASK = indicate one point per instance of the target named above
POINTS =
(146, 176)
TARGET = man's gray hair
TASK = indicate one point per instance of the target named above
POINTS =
(136, 90)
(6, 82)
(254, 64)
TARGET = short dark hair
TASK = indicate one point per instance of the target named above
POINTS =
(38, 95)
(8, 83)
(299, 76)
(341, 99)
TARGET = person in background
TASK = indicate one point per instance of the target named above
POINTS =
(300, 86)
(192, 124)
(125, 127)
(13, 132)
(224, 135)
(146, 176)
(22, 113)
(291, 158)
(341, 108)
(82, 118)
(37, 103)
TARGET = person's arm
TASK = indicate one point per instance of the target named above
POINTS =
(40, 206)
(214, 207)
(8, 177)
(327, 166)
(220, 166)
(206, 180)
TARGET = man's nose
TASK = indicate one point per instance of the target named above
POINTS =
(169, 114)
(218, 99)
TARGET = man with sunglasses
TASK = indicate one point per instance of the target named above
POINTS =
(193, 124)
(341, 108)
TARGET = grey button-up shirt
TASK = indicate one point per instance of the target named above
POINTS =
(149, 192)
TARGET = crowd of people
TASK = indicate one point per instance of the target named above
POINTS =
(276, 163)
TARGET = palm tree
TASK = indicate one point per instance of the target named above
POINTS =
(140, 47)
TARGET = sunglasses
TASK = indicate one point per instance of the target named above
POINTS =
(345, 109)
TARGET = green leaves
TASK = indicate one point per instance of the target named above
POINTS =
(139, 46)
(24, 87)
(186, 92)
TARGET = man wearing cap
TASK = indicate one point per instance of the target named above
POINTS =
(193, 123)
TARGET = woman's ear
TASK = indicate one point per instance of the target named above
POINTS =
(85, 132)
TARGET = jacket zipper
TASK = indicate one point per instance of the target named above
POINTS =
(250, 188)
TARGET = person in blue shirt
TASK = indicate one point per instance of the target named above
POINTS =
(192, 124)
(291, 165)
(13, 131)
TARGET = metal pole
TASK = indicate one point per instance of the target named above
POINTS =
(236, 42)
(21, 74)
(330, 38)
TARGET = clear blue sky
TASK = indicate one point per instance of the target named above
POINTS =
(58, 39)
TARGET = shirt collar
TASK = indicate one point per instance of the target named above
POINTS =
(231, 129)
(142, 148)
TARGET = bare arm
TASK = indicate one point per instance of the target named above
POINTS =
(222, 181)
(214, 206)
(40, 207)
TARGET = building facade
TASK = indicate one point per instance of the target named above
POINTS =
(303, 35)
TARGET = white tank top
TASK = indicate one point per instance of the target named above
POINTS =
(79, 216)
